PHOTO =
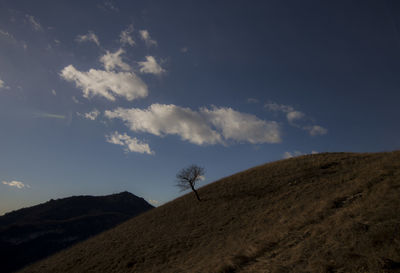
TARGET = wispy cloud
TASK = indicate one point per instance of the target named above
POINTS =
(90, 115)
(2, 84)
(145, 35)
(89, 37)
(151, 66)
(33, 22)
(252, 100)
(49, 115)
(107, 84)
(54, 92)
(75, 100)
(126, 36)
(295, 153)
(110, 5)
(316, 130)
(16, 184)
(8, 36)
(206, 126)
(296, 118)
(154, 202)
(130, 144)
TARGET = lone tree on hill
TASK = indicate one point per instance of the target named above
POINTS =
(187, 178)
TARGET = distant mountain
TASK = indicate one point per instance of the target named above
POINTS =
(332, 212)
(30, 234)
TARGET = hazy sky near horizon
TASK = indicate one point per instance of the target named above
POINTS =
(98, 97)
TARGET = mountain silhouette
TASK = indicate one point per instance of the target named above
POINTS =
(30, 234)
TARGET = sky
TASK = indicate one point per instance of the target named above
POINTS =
(99, 97)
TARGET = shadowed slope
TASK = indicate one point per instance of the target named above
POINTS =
(335, 212)
(30, 234)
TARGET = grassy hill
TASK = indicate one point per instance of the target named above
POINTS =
(335, 212)
(30, 234)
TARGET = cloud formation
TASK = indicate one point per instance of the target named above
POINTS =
(206, 126)
(2, 84)
(112, 61)
(129, 144)
(242, 127)
(162, 119)
(54, 92)
(296, 118)
(16, 184)
(34, 23)
(107, 84)
(126, 37)
(145, 35)
(150, 66)
(89, 37)
(90, 115)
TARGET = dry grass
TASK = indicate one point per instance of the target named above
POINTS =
(335, 212)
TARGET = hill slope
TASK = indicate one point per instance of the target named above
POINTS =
(334, 212)
(30, 234)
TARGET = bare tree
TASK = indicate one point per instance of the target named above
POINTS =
(187, 178)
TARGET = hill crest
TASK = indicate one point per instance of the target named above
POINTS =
(333, 212)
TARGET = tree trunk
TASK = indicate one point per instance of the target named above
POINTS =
(195, 192)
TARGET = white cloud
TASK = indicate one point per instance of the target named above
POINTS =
(113, 60)
(291, 154)
(151, 66)
(242, 127)
(296, 118)
(90, 115)
(126, 37)
(106, 84)
(129, 144)
(161, 119)
(145, 35)
(90, 37)
(16, 184)
(291, 113)
(206, 126)
(34, 23)
(316, 130)
(292, 116)
(54, 92)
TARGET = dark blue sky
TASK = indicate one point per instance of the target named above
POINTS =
(98, 97)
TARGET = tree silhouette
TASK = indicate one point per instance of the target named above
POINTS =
(187, 178)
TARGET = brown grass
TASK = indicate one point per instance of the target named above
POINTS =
(336, 212)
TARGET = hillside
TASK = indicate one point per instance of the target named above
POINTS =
(335, 212)
(30, 234)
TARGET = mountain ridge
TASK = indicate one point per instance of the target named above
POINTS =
(32, 233)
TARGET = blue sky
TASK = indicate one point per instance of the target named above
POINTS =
(98, 97)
